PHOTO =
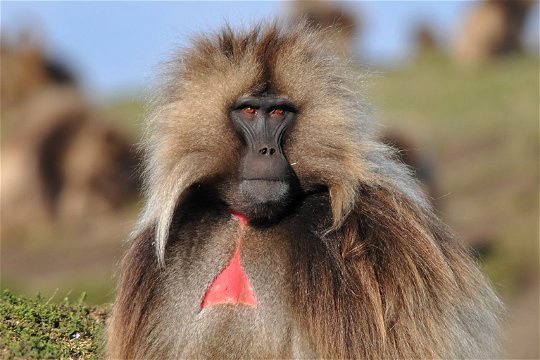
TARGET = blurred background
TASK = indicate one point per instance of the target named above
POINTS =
(455, 86)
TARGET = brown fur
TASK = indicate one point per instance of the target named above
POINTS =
(364, 270)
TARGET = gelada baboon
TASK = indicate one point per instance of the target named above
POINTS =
(277, 227)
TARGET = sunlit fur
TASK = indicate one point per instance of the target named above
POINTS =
(371, 270)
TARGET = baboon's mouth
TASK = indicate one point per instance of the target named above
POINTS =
(262, 191)
(267, 201)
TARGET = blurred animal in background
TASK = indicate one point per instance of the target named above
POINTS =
(60, 158)
(493, 29)
(332, 16)
(420, 164)
(278, 226)
(26, 69)
(425, 40)
(64, 161)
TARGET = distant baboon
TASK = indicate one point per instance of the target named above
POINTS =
(425, 39)
(26, 68)
(329, 15)
(408, 153)
(278, 226)
(61, 160)
(493, 29)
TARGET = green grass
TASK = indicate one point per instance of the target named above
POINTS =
(35, 328)
(480, 128)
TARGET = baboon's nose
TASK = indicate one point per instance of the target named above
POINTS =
(267, 151)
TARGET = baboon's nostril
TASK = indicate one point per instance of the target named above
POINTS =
(267, 151)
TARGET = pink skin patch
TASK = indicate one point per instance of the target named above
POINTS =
(241, 217)
(232, 286)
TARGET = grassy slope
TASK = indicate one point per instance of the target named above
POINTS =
(481, 128)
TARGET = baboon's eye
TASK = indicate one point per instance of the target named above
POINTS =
(249, 111)
(277, 113)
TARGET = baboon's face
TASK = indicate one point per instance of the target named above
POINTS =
(267, 184)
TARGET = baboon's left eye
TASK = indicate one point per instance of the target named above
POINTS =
(277, 112)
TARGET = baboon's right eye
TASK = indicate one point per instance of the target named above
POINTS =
(249, 111)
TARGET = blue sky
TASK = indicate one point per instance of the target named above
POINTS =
(117, 46)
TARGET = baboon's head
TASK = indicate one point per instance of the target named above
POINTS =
(265, 117)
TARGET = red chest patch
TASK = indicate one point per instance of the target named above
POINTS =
(231, 286)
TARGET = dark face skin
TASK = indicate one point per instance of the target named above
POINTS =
(268, 185)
